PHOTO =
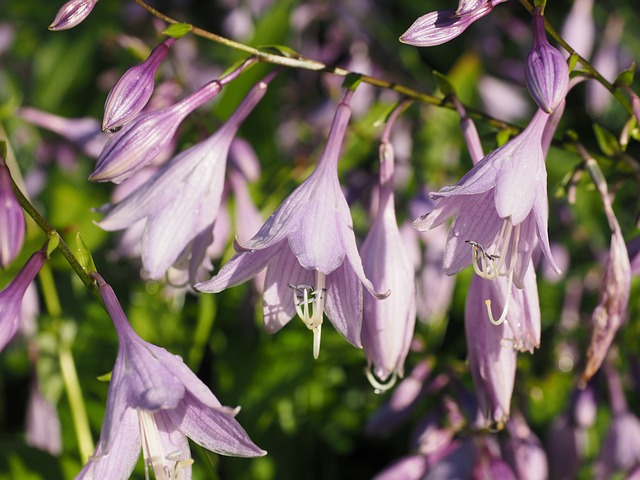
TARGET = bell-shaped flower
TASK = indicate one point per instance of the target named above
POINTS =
(500, 210)
(131, 93)
(492, 359)
(524, 451)
(11, 297)
(12, 222)
(547, 73)
(441, 26)
(183, 197)
(309, 248)
(43, 423)
(154, 403)
(145, 137)
(579, 28)
(72, 13)
(387, 326)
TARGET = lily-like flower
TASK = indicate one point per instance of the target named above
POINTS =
(12, 222)
(183, 197)
(524, 451)
(547, 73)
(154, 403)
(145, 137)
(132, 92)
(387, 326)
(11, 296)
(71, 14)
(500, 210)
(309, 248)
(43, 423)
(492, 359)
(441, 26)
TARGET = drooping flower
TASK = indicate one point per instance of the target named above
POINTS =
(309, 248)
(579, 28)
(145, 137)
(441, 26)
(182, 197)
(131, 93)
(387, 326)
(524, 452)
(43, 423)
(154, 403)
(500, 210)
(71, 14)
(11, 296)
(12, 222)
(547, 73)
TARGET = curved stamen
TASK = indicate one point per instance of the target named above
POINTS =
(309, 305)
(507, 302)
(491, 266)
(378, 387)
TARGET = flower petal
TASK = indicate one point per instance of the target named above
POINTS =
(343, 303)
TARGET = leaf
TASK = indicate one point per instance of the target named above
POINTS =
(443, 83)
(84, 255)
(573, 61)
(625, 77)
(607, 142)
(178, 30)
(352, 81)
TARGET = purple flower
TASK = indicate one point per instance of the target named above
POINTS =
(72, 13)
(182, 197)
(43, 423)
(146, 136)
(132, 92)
(438, 27)
(309, 248)
(547, 73)
(500, 209)
(387, 326)
(12, 222)
(579, 28)
(524, 451)
(155, 402)
(11, 297)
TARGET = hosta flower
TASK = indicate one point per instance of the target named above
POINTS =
(132, 92)
(500, 210)
(387, 326)
(154, 403)
(145, 137)
(11, 297)
(12, 222)
(524, 451)
(72, 13)
(309, 249)
(547, 73)
(43, 423)
(182, 197)
(438, 27)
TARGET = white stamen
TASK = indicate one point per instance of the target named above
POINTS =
(492, 265)
(304, 298)
(505, 308)
(379, 387)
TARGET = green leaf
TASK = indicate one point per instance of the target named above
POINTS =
(352, 81)
(443, 83)
(625, 77)
(281, 50)
(52, 243)
(573, 61)
(84, 255)
(178, 30)
(105, 378)
(607, 142)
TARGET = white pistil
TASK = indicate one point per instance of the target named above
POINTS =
(379, 387)
(309, 303)
(505, 309)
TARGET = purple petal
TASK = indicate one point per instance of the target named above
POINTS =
(343, 304)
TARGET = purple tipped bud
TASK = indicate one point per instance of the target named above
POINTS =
(72, 13)
(12, 223)
(11, 297)
(547, 73)
(146, 136)
(132, 92)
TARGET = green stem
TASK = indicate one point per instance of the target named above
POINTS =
(615, 91)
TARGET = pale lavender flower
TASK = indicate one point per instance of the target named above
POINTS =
(43, 423)
(412, 467)
(154, 403)
(387, 326)
(11, 297)
(83, 133)
(524, 452)
(547, 73)
(605, 61)
(132, 92)
(183, 197)
(500, 210)
(145, 137)
(579, 28)
(71, 14)
(309, 248)
(12, 222)
(492, 360)
(441, 26)
(565, 448)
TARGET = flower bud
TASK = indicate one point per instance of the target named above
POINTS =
(132, 92)
(547, 73)
(71, 14)
(12, 223)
